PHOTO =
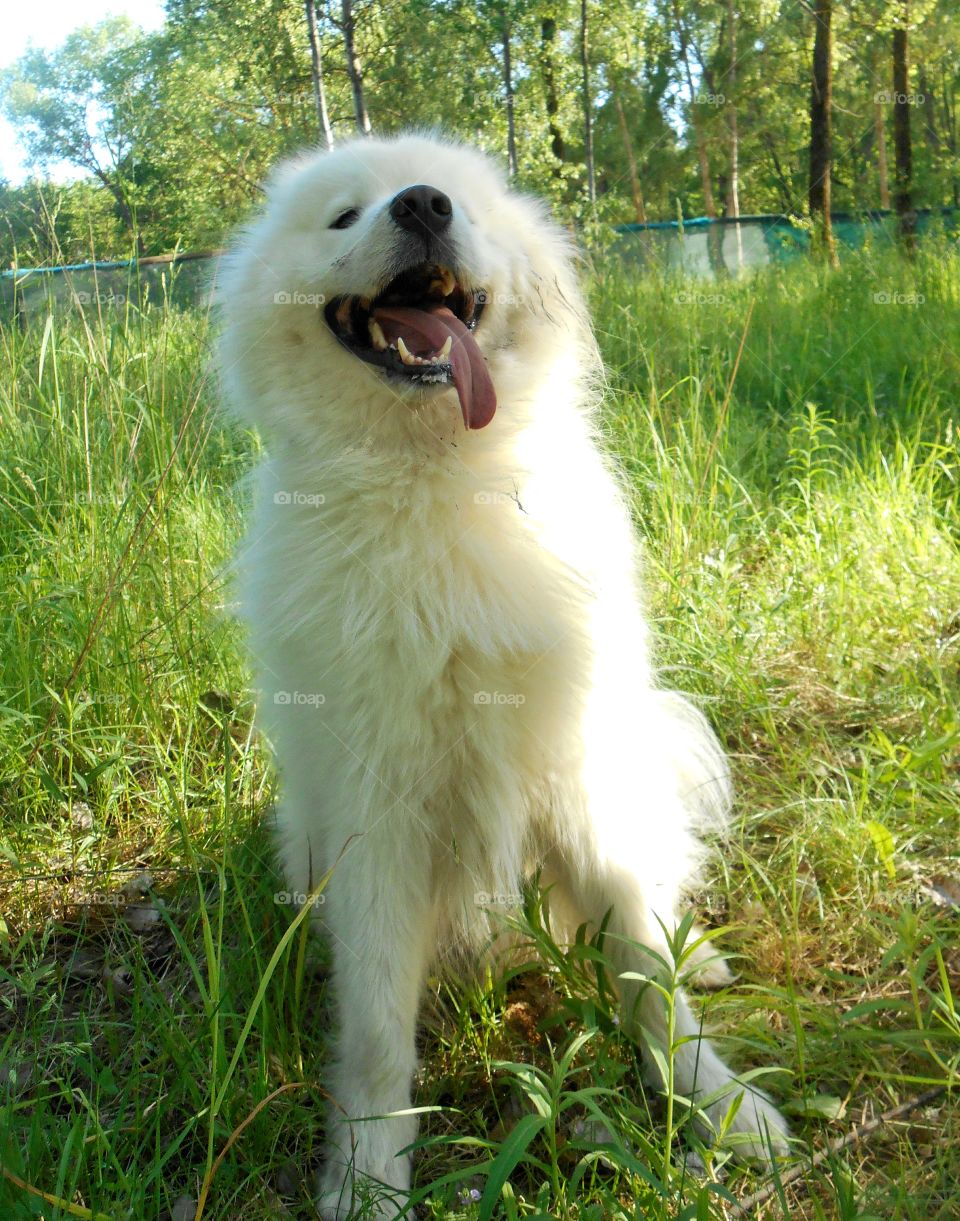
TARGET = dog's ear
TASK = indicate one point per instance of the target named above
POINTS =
(553, 263)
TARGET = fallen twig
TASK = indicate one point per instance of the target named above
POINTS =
(857, 1134)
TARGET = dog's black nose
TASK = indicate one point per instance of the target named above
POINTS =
(421, 210)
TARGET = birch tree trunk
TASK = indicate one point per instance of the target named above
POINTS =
(354, 70)
(880, 136)
(733, 187)
(316, 69)
(587, 107)
(509, 97)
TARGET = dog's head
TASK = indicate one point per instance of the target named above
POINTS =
(400, 273)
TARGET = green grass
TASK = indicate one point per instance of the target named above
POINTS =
(801, 509)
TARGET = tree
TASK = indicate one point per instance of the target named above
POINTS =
(509, 97)
(821, 135)
(77, 104)
(354, 68)
(587, 102)
(316, 63)
(880, 139)
(548, 69)
(902, 143)
(613, 109)
(733, 181)
(635, 189)
(696, 110)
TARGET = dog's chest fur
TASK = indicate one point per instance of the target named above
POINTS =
(448, 643)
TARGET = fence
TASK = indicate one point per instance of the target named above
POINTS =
(181, 279)
(706, 247)
(701, 247)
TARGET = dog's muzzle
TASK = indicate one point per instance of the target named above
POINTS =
(420, 328)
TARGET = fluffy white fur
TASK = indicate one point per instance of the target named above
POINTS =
(461, 611)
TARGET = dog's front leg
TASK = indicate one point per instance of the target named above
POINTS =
(378, 916)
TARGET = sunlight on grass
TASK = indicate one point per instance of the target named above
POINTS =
(803, 568)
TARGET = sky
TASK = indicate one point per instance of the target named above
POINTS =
(46, 25)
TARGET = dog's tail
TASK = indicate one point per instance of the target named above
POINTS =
(704, 785)
(703, 774)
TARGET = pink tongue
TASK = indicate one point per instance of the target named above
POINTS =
(425, 333)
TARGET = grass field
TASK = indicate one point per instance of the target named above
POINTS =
(161, 1017)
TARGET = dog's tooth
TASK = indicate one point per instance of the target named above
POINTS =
(343, 312)
(444, 353)
(406, 355)
(377, 337)
(448, 281)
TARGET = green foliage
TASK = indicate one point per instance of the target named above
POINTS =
(178, 128)
(801, 522)
(45, 225)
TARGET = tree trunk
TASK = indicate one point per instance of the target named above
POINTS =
(733, 189)
(706, 184)
(587, 107)
(638, 208)
(733, 182)
(928, 111)
(354, 70)
(902, 147)
(880, 137)
(950, 126)
(548, 67)
(123, 207)
(316, 69)
(821, 149)
(509, 97)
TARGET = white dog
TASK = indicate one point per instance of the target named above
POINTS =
(441, 584)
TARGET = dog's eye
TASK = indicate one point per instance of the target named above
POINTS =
(346, 219)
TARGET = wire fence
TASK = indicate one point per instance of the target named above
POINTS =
(181, 280)
(706, 247)
(698, 248)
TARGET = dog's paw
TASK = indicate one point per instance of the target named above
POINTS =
(757, 1132)
(708, 967)
(352, 1196)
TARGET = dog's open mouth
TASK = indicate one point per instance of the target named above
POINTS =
(420, 329)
